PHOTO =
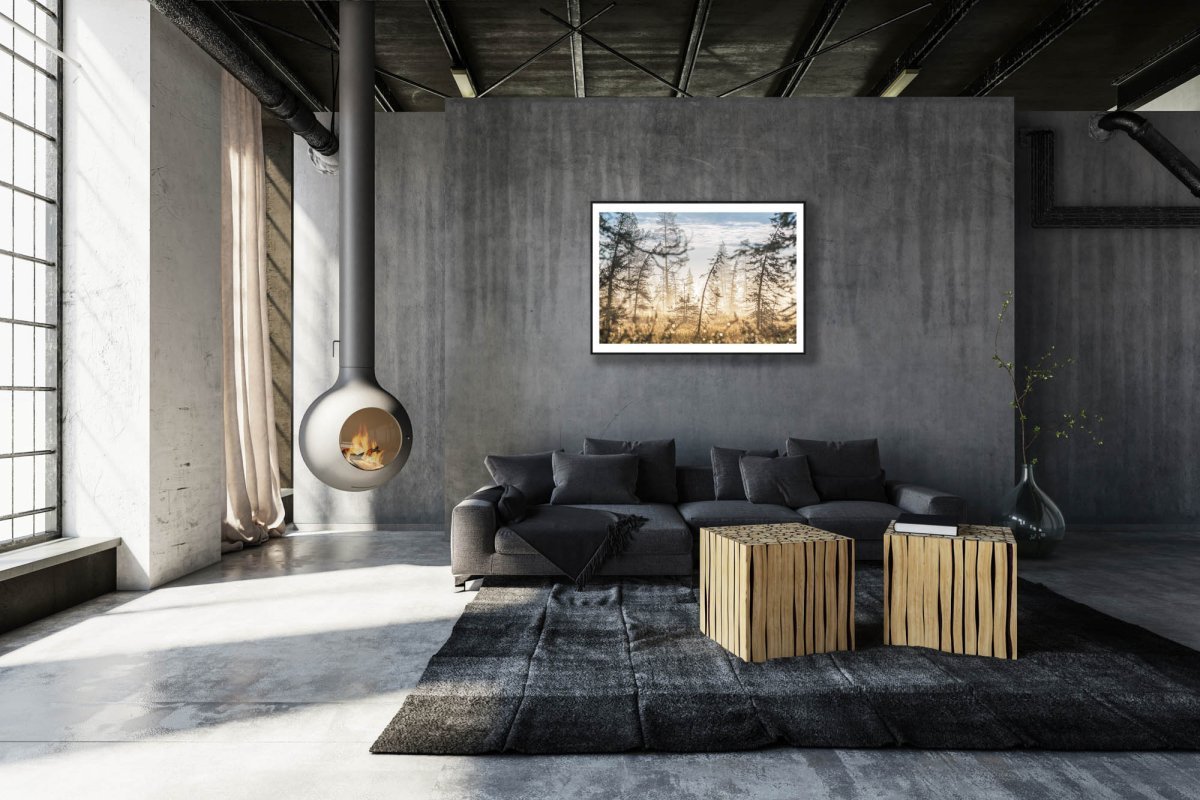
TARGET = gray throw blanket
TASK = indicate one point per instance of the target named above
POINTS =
(576, 540)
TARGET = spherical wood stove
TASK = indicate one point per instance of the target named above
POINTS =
(356, 436)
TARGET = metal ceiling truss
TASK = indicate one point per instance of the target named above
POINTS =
(1055, 25)
(679, 92)
(952, 13)
(824, 50)
(275, 62)
(814, 40)
(548, 48)
(1174, 66)
(1045, 214)
(574, 16)
(383, 94)
(695, 38)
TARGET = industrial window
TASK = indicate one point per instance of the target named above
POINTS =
(30, 133)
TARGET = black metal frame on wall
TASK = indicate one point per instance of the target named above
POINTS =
(31, 249)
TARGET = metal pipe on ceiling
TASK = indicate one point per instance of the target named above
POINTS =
(270, 91)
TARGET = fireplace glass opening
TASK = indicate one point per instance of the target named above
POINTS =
(370, 439)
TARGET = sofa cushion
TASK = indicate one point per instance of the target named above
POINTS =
(780, 481)
(656, 465)
(727, 471)
(843, 470)
(532, 473)
(694, 484)
(859, 519)
(715, 513)
(594, 479)
(664, 533)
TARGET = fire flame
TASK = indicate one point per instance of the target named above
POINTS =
(363, 451)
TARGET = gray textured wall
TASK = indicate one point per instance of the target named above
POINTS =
(908, 241)
(1124, 302)
(408, 279)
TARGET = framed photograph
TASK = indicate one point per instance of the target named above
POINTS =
(697, 277)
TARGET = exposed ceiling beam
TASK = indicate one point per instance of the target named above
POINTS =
(574, 17)
(1037, 40)
(814, 40)
(548, 48)
(459, 68)
(383, 95)
(823, 50)
(614, 52)
(1169, 69)
(928, 40)
(277, 64)
(695, 38)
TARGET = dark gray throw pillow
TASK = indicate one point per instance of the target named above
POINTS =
(783, 481)
(512, 505)
(656, 465)
(847, 470)
(532, 473)
(727, 473)
(593, 479)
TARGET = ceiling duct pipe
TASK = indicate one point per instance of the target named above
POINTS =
(274, 96)
(1157, 145)
(356, 436)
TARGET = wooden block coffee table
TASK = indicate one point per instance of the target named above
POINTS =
(952, 593)
(774, 591)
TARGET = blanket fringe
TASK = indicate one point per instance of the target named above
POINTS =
(619, 533)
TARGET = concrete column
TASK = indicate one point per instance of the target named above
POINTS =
(141, 337)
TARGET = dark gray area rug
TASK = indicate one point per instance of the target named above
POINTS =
(619, 666)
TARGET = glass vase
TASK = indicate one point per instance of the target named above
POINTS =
(1036, 522)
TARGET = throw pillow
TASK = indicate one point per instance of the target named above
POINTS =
(656, 465)
(512, 505)
(532, 473)
(727, 473)
(783, 481)
(599, 480)
(843, 470)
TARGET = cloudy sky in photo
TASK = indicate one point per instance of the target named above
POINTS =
(706, 231)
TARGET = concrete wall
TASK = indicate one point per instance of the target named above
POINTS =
(1123, 301)
(141, 387)
(908, 241)
(408, 278)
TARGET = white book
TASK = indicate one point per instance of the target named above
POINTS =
(927, 524)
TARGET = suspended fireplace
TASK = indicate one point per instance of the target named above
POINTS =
(356, 436)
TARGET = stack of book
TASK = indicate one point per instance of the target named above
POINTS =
(928, 524)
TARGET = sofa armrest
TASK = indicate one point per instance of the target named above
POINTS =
(916, 499)
(473, 524)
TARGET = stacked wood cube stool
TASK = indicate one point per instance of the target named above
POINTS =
(952, 593)
(778, 590)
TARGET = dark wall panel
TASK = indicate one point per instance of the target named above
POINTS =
(1124, 302)
(909, 244)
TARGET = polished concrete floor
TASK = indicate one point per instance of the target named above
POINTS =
(269, 675)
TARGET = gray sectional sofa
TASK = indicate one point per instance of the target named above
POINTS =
(666, 544)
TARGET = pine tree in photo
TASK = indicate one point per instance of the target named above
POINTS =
(710, 291)
(770, 281)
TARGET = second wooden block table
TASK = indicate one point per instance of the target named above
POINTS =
(952, 593)
(774, 591)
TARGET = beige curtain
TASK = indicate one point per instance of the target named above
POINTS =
(253, 505)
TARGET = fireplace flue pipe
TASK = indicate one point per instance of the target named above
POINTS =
(356, 89)
(274, 96)
(1157, 145)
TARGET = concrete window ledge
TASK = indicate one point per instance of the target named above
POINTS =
(42, 579)
(34, 558)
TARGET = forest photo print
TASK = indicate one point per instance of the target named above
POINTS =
(697, 277)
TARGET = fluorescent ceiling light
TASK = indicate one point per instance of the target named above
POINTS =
(901, 83)
(463, 78)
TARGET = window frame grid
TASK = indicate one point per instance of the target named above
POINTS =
(46, 457)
